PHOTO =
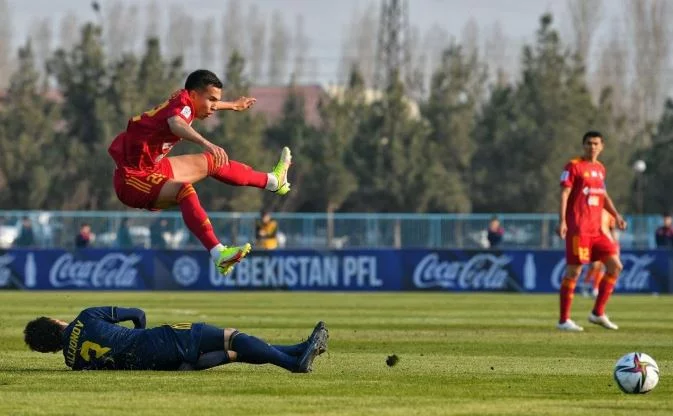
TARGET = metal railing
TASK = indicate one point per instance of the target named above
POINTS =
(311, 230)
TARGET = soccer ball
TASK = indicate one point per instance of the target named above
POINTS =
(636, 373)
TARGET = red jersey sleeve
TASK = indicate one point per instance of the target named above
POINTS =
(568, 175)
(180, 105)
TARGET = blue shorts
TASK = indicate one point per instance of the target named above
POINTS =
(195, 339)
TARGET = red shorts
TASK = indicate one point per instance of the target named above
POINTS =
(140, 189)
(581, 249)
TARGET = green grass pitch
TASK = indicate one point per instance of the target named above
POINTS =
(481, 354)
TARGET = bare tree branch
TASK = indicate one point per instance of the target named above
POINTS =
(585, 17)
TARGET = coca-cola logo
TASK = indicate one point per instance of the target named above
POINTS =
(634, 278)
(5, 272)
(482, 271)
(114, 270)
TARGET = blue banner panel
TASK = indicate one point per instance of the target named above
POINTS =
(366, 270)
(523, 270)
(538, 271)
(89, 269)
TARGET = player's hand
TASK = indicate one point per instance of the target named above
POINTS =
(243, 103)
(621, 223)
(562, 230)
(220, 157)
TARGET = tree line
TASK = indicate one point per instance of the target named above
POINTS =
(471, 144)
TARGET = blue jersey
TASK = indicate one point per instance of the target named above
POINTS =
(93, 341)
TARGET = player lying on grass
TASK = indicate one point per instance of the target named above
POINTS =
(93, 341)
(145, 178)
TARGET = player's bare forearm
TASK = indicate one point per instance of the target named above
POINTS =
(224, 105)
(240, 104)
(565, 194)
(610, 207)
(182, 129)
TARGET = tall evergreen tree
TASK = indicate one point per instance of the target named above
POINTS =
(390, 157)
(533, 129)
(27, 146)
(659, 159)
(157, 77)
(455, 91)
(83, 77)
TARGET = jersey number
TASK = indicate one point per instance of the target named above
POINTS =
(88, 347)
(593, 201)
(155, 178)
(152, 112)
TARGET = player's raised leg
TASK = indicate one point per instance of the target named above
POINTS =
(193, 168)
(613, 269)
(567, 294)
(240, 174)
(196, 219)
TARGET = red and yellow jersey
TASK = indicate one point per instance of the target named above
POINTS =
(586, 181)
(148, 138)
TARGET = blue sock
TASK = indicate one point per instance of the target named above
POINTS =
(294, 350)
(253, 350)
(206, 361)
(212, 359)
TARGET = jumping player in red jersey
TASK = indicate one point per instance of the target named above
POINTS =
(145, 178)
(583, 197)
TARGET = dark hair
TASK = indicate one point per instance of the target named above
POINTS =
(591, 134)
(667, 214)
(44, 335)
(84, 224)
(201, 79)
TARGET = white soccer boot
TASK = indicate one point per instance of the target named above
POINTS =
(603, 321)
(569, 326)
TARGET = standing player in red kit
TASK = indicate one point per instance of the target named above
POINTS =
(145, 178)
(583, 197)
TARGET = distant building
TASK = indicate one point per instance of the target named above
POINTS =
(372, 95)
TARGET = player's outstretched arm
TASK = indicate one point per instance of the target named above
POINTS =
(240, 104)
(182, 129)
